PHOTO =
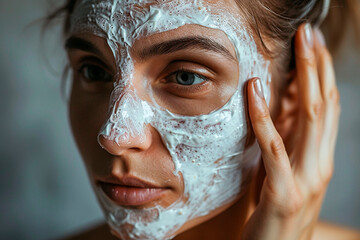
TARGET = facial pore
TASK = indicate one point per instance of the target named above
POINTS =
(207, 150)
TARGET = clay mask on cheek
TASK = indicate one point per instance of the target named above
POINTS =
(208, 150)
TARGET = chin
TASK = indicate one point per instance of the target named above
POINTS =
(203, 198)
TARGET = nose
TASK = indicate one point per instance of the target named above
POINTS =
(128, 127)
(126, 143)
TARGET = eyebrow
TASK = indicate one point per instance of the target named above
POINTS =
(195, 43)
(81, 44)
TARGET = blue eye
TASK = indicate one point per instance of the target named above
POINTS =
(93, 73)
(188, 78)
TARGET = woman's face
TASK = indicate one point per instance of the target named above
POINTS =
(157, 109)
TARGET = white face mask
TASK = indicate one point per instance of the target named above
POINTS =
(195, 143)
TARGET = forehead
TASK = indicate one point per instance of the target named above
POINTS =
(132, 18)
(140, 6)
(124, 22)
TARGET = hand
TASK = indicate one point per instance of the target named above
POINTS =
(298, 166)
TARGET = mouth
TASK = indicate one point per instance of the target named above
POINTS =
(131, 191)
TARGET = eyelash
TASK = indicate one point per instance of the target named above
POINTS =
(187, 89)
(82, 72)
(176, 88)
(184, 70)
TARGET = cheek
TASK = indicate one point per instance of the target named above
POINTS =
(87, 112)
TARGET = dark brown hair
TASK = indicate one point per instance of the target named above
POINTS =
(280, 19)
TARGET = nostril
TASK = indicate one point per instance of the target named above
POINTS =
(117, 144)
(111, 145)
(104, 142)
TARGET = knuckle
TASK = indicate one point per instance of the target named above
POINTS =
(314, 110)
(334, 95)
(272, 193)
(292, 205)
(327, 174)
(277, 146)
(310, 60)
(285, 202)
(316, 187)
(307, 58)
(262, 116)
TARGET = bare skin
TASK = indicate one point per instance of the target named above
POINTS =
(283, 203)
(323, 231)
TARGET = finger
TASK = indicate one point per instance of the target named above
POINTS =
(325, 67)
(331, 102)
(311, 103)
(276, 162)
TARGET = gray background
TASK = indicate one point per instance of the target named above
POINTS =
(44, 191)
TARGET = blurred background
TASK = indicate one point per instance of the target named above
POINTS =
(44, 190)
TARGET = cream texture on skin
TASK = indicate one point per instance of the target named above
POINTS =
(195, 143)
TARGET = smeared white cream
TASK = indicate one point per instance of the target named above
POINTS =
(195, 143)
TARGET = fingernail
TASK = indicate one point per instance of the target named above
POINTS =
(258, 88)
(320, 37)
(309, 35)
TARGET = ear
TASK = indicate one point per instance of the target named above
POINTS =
(287, 113)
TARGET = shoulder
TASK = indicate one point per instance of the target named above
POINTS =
(328, 231)
(97, 232)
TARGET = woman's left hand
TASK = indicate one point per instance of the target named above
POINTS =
(298, 167)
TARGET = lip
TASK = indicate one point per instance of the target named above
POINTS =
(131, 191)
